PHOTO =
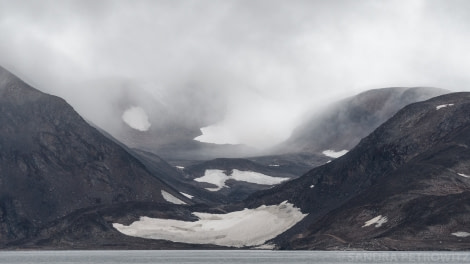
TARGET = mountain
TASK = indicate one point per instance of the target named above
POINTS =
(406, 186)
(52, 163)
(342, 125)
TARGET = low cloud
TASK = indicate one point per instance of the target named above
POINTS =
(250, 68)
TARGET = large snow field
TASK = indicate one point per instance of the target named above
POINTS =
(249, 227)
(218, 178)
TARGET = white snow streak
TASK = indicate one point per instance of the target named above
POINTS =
(334, 154)
(179, 167)
(378, 221)
(442, 106)
(274, 165)
(249, 227)
(463, 175)
(461, 234)
(171, 199)
(187, 195)
(137, 118)
(218, 178)
(311, 186)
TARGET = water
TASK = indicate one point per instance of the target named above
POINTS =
(229, 257)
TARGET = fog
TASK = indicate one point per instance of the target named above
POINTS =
(244, 71)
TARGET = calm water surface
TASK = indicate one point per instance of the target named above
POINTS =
(230, 257)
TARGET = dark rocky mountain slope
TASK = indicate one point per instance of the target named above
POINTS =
(406, 186)
(53, 163)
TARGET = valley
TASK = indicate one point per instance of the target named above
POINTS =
(386, 169)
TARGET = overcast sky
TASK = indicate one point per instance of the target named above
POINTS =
(251, 67)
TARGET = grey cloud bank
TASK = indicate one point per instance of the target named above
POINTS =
(246, 70)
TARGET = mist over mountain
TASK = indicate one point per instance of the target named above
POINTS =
(244, 72)
(344, 123)
(140, 120)
(404, 180)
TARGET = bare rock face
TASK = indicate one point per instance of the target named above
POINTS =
(405, 186)
(53, 163)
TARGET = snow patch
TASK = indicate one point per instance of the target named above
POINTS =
(179, 167)
(442, 106)
(463, 175)
(378, 221)
(218, 178)
(274, 165)
(334, 154)
(311, 186)
(187, 195)
(171, 199)
(249, 227)
(136, 118)
(461, 234)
